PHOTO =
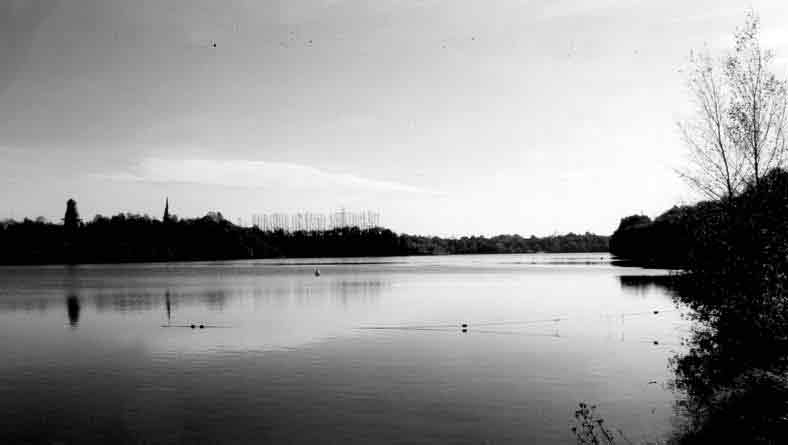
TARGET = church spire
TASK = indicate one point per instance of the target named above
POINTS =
(166, 217)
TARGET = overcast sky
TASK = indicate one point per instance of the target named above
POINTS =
(447, 117)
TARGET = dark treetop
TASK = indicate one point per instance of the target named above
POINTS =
(746, 229)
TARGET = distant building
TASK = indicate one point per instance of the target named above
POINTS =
(166, 217)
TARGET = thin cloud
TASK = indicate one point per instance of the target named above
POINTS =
(254, 174)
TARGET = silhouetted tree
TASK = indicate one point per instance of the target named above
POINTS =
(128, 237)
(758, 103)
(716, 166)
(71, 219)
(738, 132)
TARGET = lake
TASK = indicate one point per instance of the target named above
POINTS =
(371, 351)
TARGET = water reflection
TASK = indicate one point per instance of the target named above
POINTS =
(344, 292)
(168, 306)
(214, 299)
(26, 303)
(72, 307)
(732, 381)
(347, 291)
(643, 284)
(293, 349)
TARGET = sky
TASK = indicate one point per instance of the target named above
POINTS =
(448, 118)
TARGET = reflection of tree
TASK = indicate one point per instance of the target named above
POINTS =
(72, 307)
(127, 300)
(341, 290)
(347, 291)
(168, 305)
(641, 284)
(733, 377)
(214, 299)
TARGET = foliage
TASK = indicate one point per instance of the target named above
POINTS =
(743, 236)
(715, 167)
(733, 378)
(738, 132)
(663, 242)
(589, 428)
(733, 375)
(129, 237)
(758, 102)
(71, 219)
(507, 244)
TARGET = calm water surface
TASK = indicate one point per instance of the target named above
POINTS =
(105, 354)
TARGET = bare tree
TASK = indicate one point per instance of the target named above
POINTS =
(757, 113)
(716, 167)
(738, 132)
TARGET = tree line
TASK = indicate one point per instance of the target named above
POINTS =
(736, 141)
(732, 249)
(730, 236)
(129, 237)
